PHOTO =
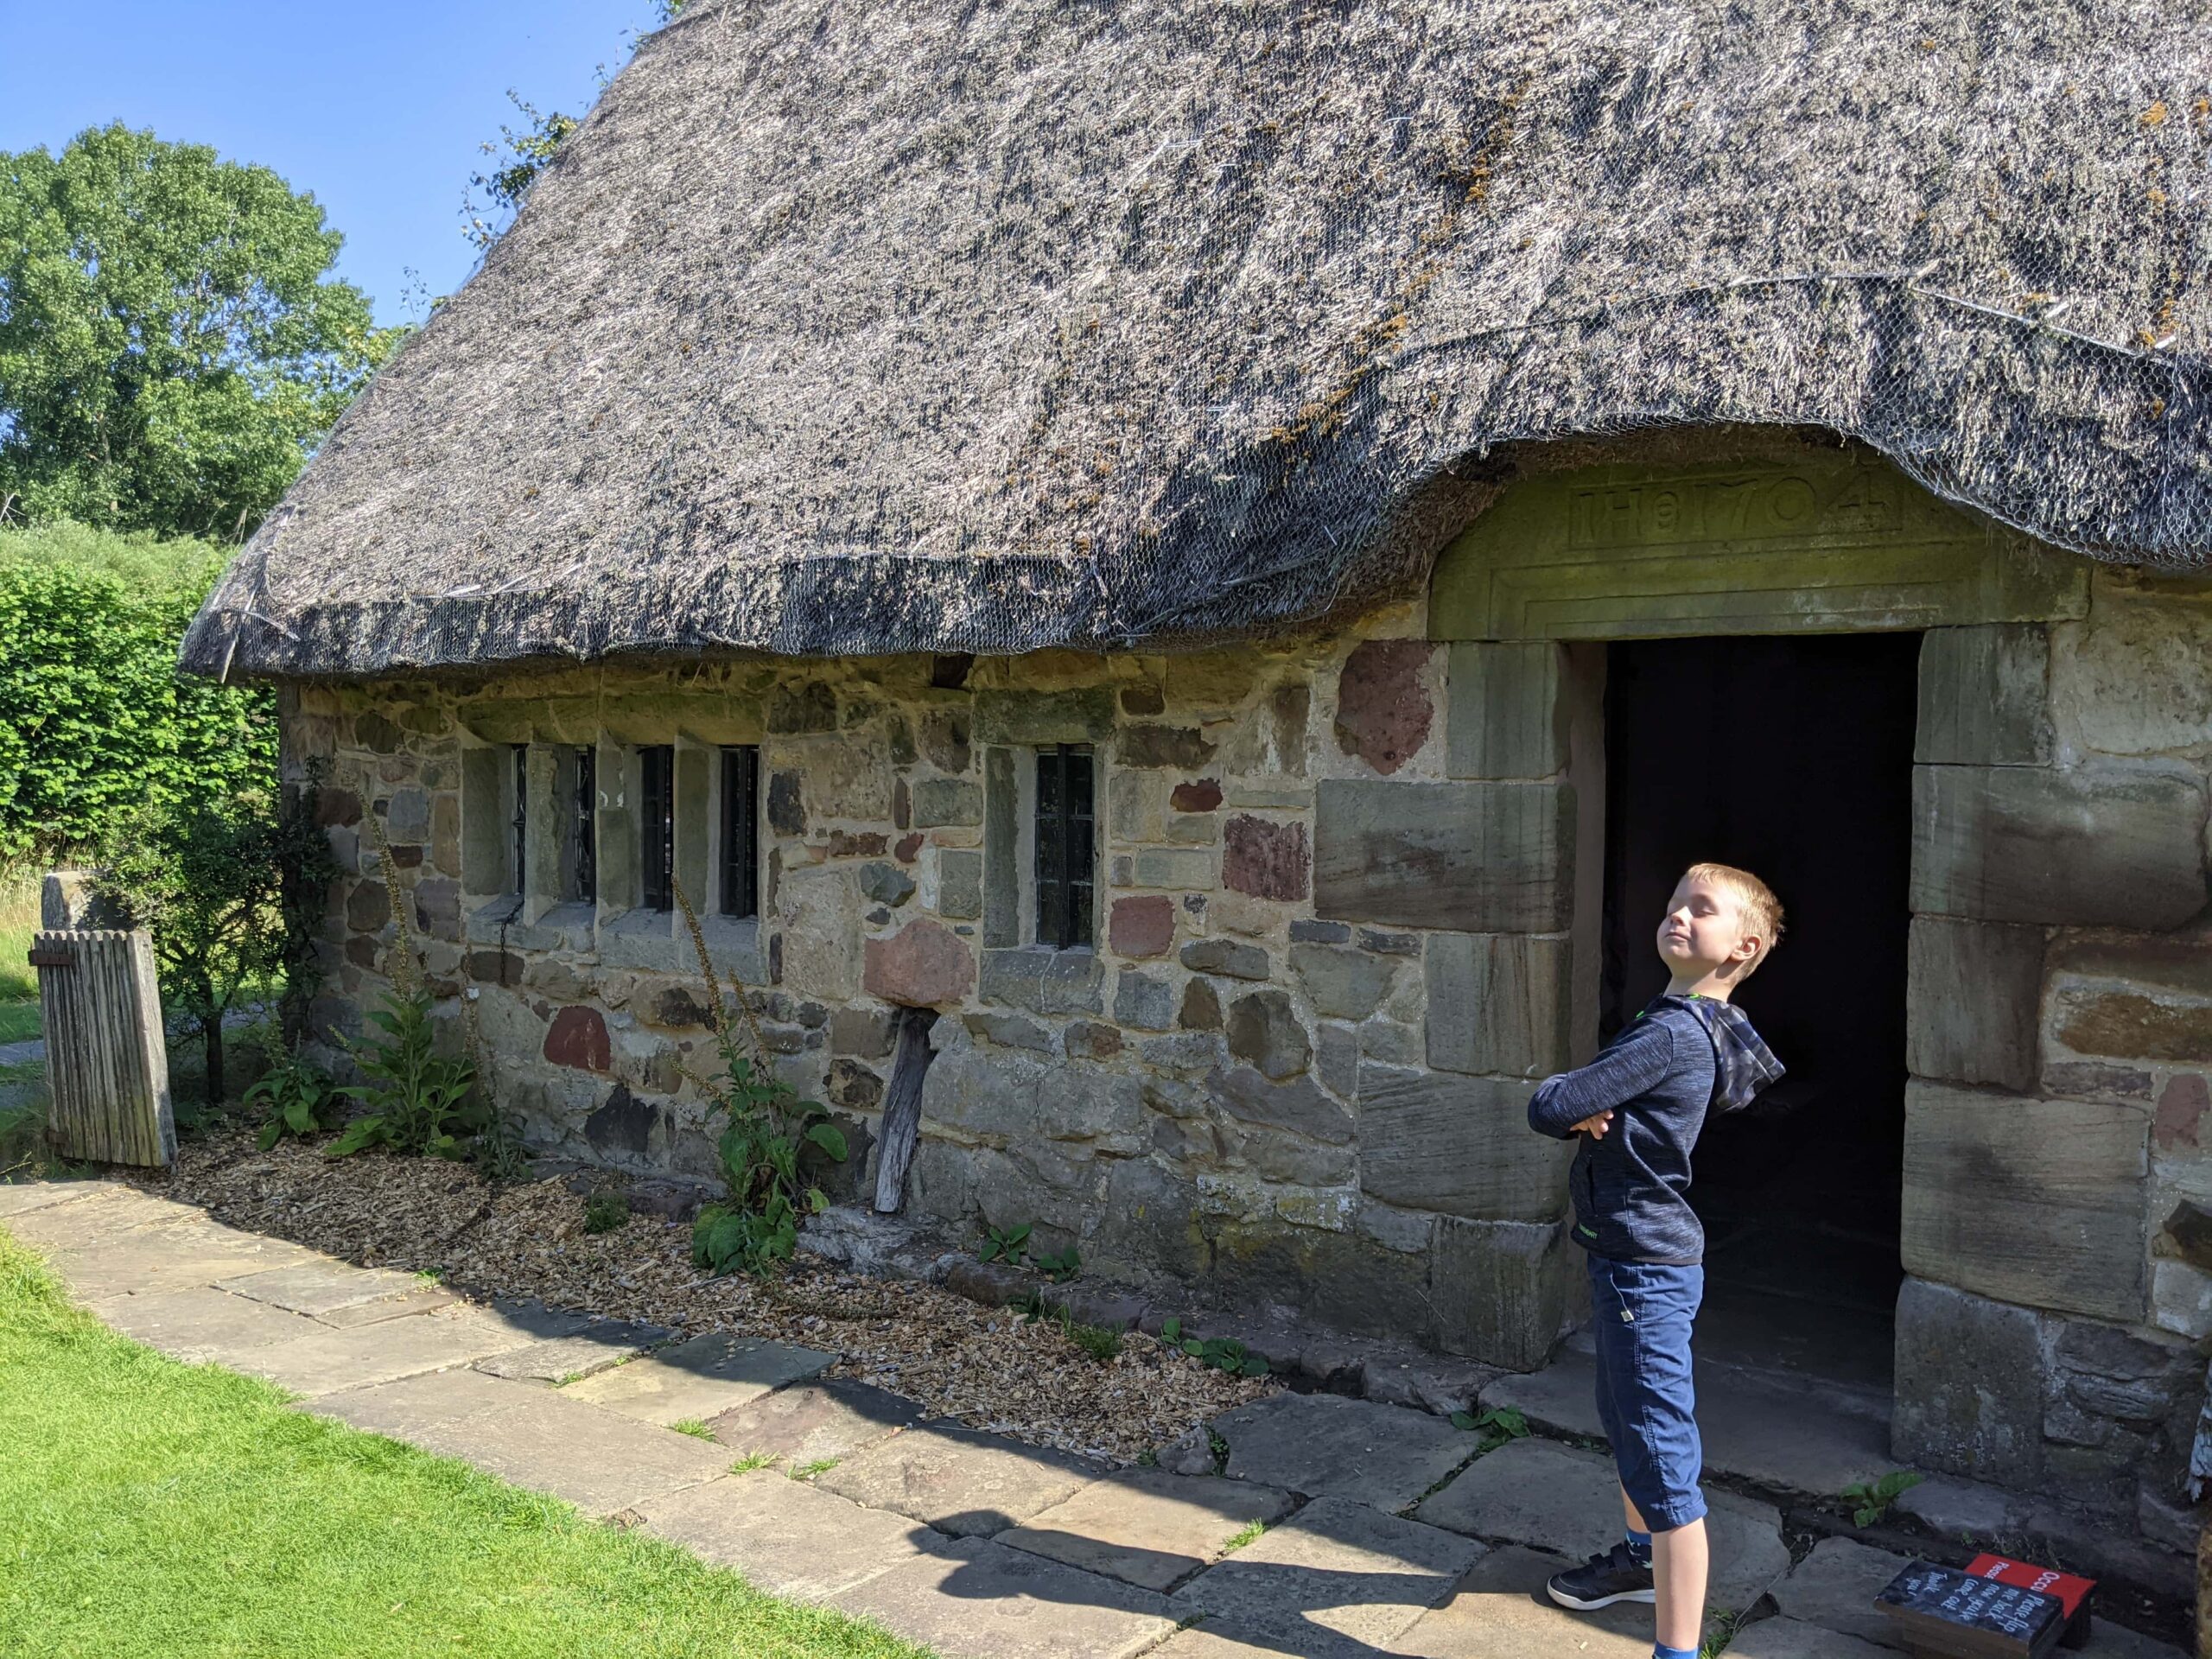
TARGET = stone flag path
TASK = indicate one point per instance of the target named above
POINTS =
(1342, 1527)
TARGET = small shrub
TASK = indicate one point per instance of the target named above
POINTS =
(1059, 1268)
(606, 1212)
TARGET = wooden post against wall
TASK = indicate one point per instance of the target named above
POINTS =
(902, 1108)
(108, 1068)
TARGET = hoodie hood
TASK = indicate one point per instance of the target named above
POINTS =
(1742, 1063)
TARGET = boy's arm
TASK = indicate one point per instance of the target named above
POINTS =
(1632, 1065)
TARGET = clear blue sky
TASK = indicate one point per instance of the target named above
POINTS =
(375, 110)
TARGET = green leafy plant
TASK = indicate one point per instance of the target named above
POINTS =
(499, 1153)
(1219, 1353)
(606, 1212)
(1006, 1244)
(1497, 1425)
(1059, 1268)
(1100, 1342)
(695, 1428)
(1871, 1499)
(752, 1460)
(767, 1128)
(1170, 1329)
(298, 1097)
(1249, 1533)
(808, 1471)
(418, 1100)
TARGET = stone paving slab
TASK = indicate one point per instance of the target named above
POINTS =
(970, 1599)
(1835, 1587)
(788, 1537)
(321, 1287)
(331, 1360)
(1326, 1446)
(812, 1423)
(97, 1219)
(1560, 1498)
(602, 1462)
(598, 1346)
(196, 1323)
(421, 1299)
(1220, 1639)
(169, 1256)
(1499, 1611)
(1338, 1578)
(702, 1378)
(959, 1481)
(1148, 1528)
(1791, 1639)
(21, 1198)
(1784, 1438)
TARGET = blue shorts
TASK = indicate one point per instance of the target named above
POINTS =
(1641, 1315)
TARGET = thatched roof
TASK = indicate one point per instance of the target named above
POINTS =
(844, 326)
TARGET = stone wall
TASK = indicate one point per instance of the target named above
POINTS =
(1346, 912)
(2062, 1003)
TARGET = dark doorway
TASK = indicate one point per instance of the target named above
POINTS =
(1791, 758)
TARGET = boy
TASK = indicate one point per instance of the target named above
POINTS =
(1689, 1053)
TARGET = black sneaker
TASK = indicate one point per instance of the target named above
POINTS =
(1602, 1580)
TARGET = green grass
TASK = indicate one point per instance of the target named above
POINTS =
(19, 921)
(694, 1426)
(151, 1509)
(1250, 1532)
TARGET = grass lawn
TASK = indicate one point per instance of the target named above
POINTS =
(150, 1508)
(19, 1021)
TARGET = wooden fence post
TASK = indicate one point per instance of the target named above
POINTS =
(107, 1064)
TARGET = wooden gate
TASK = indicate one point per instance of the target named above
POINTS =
(107, 1065)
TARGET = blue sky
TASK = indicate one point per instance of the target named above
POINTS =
(375, 110)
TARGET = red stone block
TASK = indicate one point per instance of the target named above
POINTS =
(1265, 859)
(578, 1038)
(1141, 927)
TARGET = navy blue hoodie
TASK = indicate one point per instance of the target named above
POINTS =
(1680, 1057)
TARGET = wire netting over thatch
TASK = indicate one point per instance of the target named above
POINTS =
(847, 328)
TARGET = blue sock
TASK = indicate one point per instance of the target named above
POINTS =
(1639, 1545)
(1661, 1650)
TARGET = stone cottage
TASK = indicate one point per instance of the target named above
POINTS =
(1198, 572)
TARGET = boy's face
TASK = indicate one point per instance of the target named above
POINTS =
(1703, 930)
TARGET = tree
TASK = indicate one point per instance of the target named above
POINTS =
(518, 155)
(172, 346)
(227, 886)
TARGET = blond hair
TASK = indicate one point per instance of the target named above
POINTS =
(1755, 902)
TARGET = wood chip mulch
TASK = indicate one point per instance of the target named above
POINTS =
(988, 1368)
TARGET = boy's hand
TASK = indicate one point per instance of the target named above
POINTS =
(1594, 1126)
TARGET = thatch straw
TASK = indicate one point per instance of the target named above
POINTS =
(843, 327)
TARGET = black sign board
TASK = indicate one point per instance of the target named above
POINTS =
(1940, 1609)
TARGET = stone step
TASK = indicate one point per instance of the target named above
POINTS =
(1787, 1439)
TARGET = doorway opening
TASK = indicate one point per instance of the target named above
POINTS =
(1791, 758)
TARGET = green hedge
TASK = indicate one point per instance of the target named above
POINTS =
(95, 721)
